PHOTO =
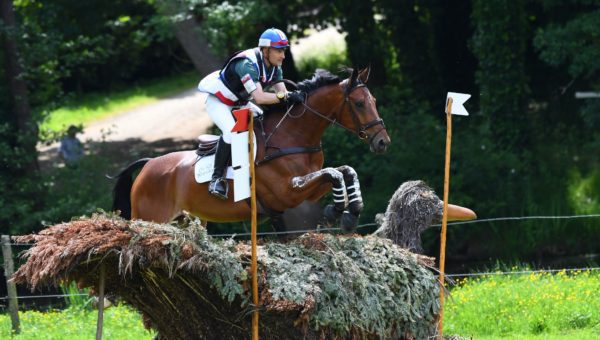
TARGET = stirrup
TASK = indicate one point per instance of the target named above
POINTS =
(218, 188)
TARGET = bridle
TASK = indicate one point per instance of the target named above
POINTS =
(361, 129)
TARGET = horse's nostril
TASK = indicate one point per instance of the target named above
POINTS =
(382, 143)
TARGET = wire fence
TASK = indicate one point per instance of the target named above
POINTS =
(482, 274)
(523, 272)
(362, 226)
(485, 220)
(44, 296)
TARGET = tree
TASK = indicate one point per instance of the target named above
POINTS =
(18, 88)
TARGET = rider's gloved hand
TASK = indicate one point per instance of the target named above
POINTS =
(294, 97)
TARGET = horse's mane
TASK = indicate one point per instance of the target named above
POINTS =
(319, 79)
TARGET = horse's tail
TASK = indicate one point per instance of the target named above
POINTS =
(122, 190)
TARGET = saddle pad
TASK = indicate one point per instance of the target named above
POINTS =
(203, 169)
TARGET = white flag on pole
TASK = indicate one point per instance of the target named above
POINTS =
(458, 99)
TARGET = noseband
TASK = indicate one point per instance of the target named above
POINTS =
(361, 129)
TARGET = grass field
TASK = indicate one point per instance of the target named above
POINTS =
(74, 323)
(531, 306)
(91, 107)
(536, 306)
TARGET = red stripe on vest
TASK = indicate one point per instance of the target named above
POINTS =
(224, 99)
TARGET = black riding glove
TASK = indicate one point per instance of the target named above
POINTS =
(295, 97)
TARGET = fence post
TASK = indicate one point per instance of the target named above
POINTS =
(100, 321)
(9, 268)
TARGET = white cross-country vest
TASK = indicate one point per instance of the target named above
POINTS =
(227, 86)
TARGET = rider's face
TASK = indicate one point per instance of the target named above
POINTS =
(275, 56)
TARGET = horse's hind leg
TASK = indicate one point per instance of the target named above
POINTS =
(152, 198)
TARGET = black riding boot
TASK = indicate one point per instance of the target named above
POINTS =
(218, 183)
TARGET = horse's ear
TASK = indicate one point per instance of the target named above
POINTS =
(364, 74)
(352, 80)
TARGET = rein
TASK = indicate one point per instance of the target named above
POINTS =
(360, 131)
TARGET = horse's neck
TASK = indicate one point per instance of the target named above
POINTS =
(300, 127)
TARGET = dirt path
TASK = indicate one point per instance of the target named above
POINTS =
(180, 117)
(174, 120)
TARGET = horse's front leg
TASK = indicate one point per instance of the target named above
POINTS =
(355, 203)
(313, 183)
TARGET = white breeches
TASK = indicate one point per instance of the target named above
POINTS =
(221, 115)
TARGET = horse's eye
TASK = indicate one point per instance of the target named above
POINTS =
(360, 104)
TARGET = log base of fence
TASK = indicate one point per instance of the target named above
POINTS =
(188, 285)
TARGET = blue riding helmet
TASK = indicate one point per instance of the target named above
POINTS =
(273, 37)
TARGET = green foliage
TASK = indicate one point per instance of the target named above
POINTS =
(21, 187)
(583, 192)
(120, 322)
(218, 258)
(367, 283)
(332, 56)
(69, 46)
(77, 299)
(573, 44)
(77, 190)
(524, 305)
(501, 75)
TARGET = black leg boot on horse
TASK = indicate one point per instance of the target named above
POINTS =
(218, 183)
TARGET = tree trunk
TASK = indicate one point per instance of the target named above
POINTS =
(187, 32)
(196, 46)
(17, 86)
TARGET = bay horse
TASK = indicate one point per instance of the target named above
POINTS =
(289, 162)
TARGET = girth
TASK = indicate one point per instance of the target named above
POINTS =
(208, 146)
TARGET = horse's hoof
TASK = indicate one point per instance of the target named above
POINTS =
(356, 207)
(348, 222)
(331, 215)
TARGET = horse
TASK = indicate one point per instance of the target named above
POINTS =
(288, 166)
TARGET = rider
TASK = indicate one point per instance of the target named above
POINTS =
(243, 78)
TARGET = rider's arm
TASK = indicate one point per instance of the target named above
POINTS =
(261, 97)
(249, 76)
(279, 87)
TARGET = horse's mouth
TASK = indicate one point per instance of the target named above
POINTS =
(380, 144)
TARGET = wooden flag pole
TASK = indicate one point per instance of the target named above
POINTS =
(255, 314)
(101, 284)
(445, 213)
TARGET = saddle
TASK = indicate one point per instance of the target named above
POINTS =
(207, 145)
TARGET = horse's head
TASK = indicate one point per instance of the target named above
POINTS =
(359, 112)
(347, 103)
